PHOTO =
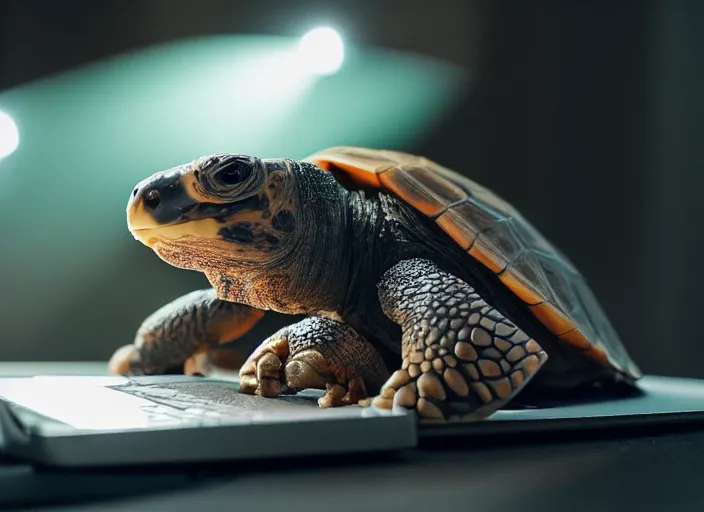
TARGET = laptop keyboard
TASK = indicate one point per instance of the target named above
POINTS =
(202, 403)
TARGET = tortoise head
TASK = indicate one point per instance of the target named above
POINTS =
(216, 213)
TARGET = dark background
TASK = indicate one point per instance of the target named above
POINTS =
(586, 115)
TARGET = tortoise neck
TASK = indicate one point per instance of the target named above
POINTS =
(374, 241)
(317, 263)
(365, 237)
(367, 247)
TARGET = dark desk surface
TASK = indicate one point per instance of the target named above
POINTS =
(652, 469)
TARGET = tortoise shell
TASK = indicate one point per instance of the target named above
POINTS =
(496, 235)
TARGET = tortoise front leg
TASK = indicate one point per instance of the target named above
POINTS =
(182, 334)
(315, 353)
(462, 359)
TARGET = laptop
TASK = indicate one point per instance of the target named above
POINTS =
(96, 420)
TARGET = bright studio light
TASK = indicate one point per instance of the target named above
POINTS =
(322, 51)
(9, 135)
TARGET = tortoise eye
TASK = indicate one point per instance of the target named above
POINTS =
(234, 173)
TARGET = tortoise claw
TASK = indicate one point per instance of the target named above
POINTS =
(263, 374)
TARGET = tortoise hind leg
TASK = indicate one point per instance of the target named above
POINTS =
(462, 359)
(182, 335)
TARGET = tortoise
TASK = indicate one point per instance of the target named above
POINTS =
(420, 288)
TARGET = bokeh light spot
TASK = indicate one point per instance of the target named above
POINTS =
(321, 51)
(9, 135)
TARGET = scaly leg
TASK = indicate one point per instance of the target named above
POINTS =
(462, 359)
(315, 353)
(183, 334)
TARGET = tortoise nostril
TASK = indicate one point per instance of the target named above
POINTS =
(152, 199)
(134, 192)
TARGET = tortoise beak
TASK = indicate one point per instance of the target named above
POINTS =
(158, 202)
(161, 208)
(143, 201)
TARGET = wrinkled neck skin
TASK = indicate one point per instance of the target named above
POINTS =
(309, 274)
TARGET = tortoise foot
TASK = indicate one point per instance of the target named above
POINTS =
(124, 361)
(184, 337)
(316, 353)
(127, 360)
(456, 388)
